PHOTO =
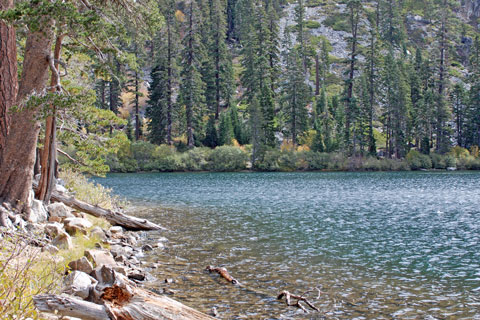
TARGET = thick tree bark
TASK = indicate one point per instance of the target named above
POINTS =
(8, 73)
(49, 153)
(18, 159)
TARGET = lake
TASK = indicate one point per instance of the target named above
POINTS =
(402, 245)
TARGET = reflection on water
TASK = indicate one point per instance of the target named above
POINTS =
(378, 245)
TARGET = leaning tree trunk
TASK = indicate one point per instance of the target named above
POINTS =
(49, 153)
(8, 73)
(18, 159)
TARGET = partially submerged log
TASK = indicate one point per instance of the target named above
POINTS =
(118, 298)
(223, 273)
(115, 218)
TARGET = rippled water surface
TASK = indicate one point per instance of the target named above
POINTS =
(378, 245)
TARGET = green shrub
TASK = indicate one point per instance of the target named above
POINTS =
(269, 161)
(312, 24)
(338, 22)
(417, 160)
(143, 152)
(228, 158)
(459, 152)
(315, 160)
(287, 161)
(24, 273)
(197, 159)
(337, 161)
(438, 161)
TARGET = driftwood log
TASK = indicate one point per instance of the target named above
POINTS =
(117, 298)
(115, 218)
(223, 273)
(288, 296)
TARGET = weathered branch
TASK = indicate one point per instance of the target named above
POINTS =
(288, 296)
(115, 218)
(70, 157)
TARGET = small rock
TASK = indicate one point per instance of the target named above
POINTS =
(159, 245)
(104, 275)
(51, 249)
(77, 225)
(54, 219)
(214, 312)
(134, 260)
(38, 213)
(169, 280)
(98, 232)
(98, 245)
(451, 169)
(168, 291)
(136, 275)
(147, 247)
(53, 229)
(116, 230)
(120, 259)
(121, 269)
(60, 210)
(162, 239)
(100, 257)
(79, 214)
(63, 241)
(79, 283)
(35, 227)
(81, 264)
(61, 188)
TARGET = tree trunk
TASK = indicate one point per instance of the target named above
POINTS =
(137, 117)
(317, 76)
(8, 73)
(49, 153)
(169, 85)
(18, 159)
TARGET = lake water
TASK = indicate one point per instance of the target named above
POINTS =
(401, 245)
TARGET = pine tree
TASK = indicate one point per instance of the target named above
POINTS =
(300, 30)
(191, 86)
(297, 94)
(225, 130)
(211, 136)
(458, 99)
(158, 103)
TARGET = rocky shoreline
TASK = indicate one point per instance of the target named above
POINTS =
(108, 280)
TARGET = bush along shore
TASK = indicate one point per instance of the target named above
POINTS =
(143, 156)
(61, 262)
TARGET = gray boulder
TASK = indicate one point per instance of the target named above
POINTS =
(100, 258)
(77, 225)
(53, 229)
(82, 265)
(63, 241)
(38, 212)
(79, 283)
(60, 210)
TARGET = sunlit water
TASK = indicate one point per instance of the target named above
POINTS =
(377, 245)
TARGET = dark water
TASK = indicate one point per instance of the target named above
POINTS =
(378, 245)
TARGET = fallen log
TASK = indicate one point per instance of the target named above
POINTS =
(68, 306)
(223, 273)
(118, 298)
(115, 218)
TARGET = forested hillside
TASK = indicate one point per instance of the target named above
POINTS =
(319, 84)
(362, 78)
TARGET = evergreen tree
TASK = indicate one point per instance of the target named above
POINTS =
(191, 86)
(458, 99)
(225, 134)
(211, 136)
(297, 94)
(158, 103)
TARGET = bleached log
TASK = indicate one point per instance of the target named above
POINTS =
(68, 306)
(115, 218)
